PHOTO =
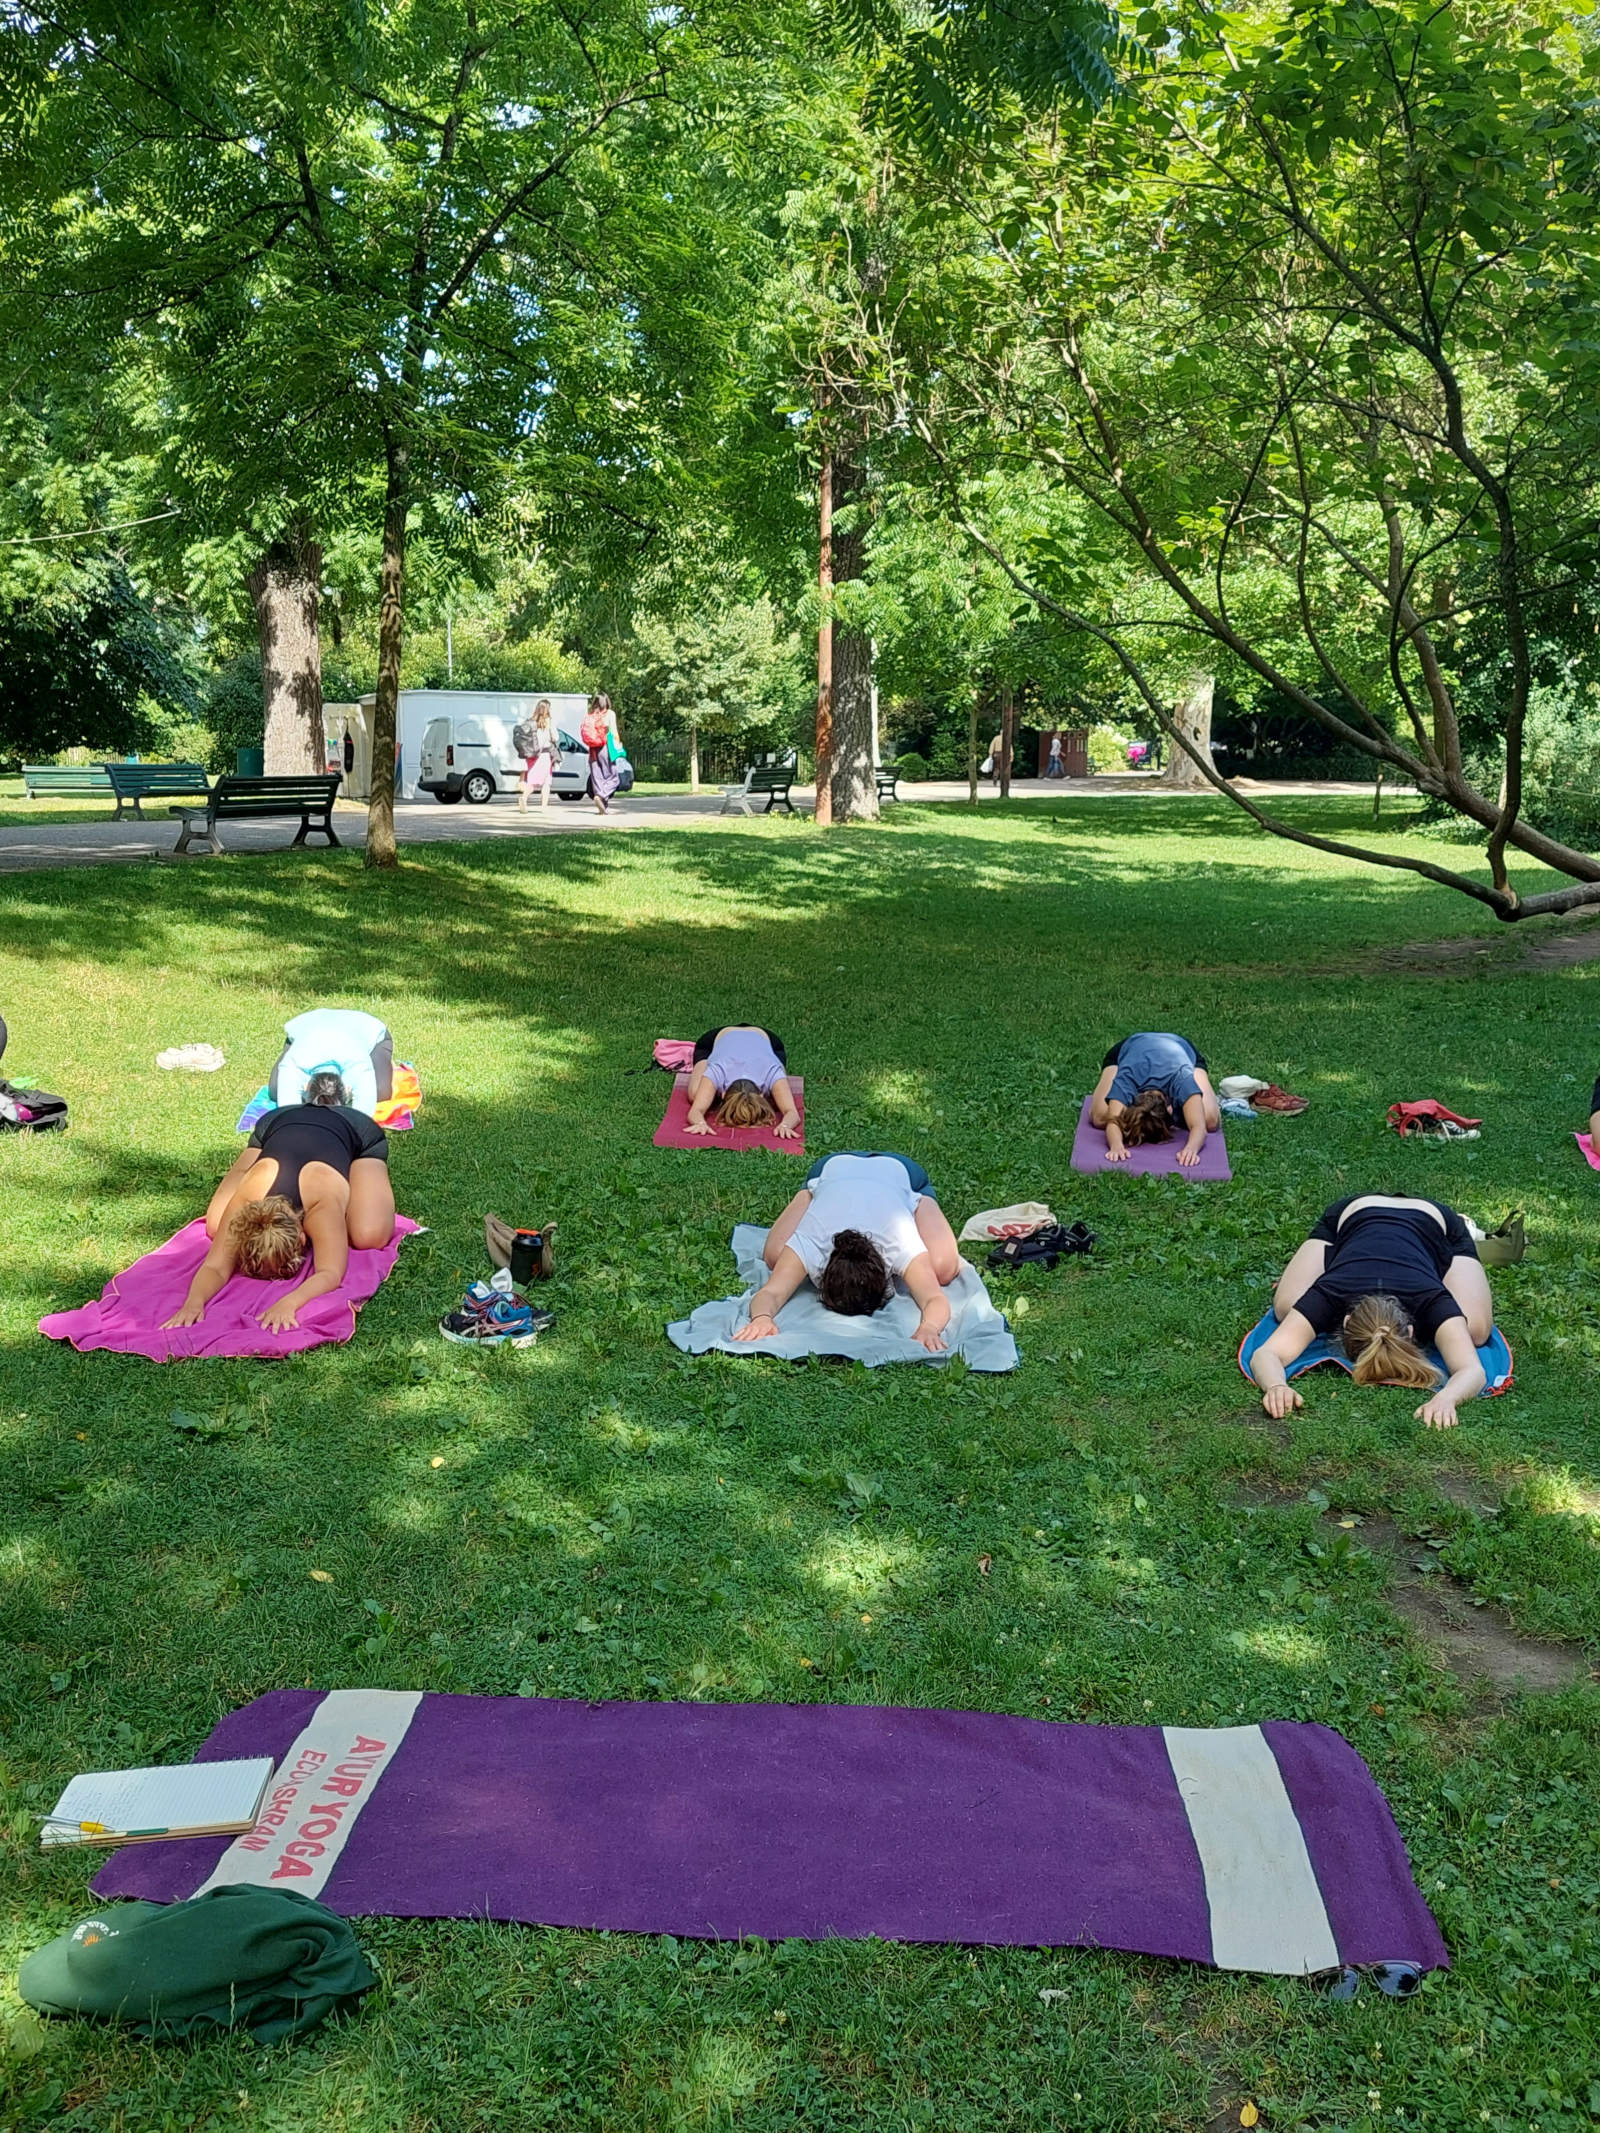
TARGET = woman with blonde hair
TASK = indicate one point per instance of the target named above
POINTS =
(741, 1074)
(315, 1176)
(535, 741)
(1390, 1275)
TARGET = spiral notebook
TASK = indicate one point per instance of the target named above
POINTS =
(138, 1806)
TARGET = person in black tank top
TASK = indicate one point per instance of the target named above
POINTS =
(315, 1175)
(1388, 1275)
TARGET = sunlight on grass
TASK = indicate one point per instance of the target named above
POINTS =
(721, 2071)
(1281, 1645)
(859, 1562)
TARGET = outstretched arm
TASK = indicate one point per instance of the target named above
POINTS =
(773, 1294)
(788, 1110)
(922, 1280)
(209, 1276)
(702, 1095)
(785, 1226)
(330, 1255)
(1269, 1364)
(1099, 1109)
(1307, 1266)
(1213, 1106)
(1194, 1117)
(1466, 1379)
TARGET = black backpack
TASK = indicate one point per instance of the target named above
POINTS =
(28, 1110)
(1046, 1247)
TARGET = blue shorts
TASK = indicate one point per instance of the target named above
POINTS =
(914, 1171)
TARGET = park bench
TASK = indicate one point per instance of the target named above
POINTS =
(888, 781)
(308, 795)
(57, 781)
(133, 782)
(770, 779)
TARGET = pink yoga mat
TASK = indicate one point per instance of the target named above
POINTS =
(1089, 1154)
(670, 1133)
(1589, 1155)
(129, 1314)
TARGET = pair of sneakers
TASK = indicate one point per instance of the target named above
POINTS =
(493, 1315)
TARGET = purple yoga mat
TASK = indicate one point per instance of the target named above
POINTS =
(1089, 1154)
(1253, 1847)
(133, 1306)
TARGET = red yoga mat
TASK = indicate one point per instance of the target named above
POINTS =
(671, 1134)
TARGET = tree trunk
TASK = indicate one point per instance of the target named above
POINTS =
(972, 751)
(855, 788)
(1192, 718)
(391, 630)
(1008, 738)
(823, 812)
(694, 756)
(285, 589)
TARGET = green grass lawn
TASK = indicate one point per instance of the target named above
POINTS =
(600, 1517)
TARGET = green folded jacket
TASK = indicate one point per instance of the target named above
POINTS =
(262, 1959)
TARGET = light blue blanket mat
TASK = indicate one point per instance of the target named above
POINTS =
(977, 1332)
(1494, 1355)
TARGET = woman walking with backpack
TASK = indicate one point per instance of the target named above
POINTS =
(600, 736)
(535, 741)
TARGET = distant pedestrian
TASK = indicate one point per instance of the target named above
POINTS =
(604, 743)
(1054, 768)
(535, 741)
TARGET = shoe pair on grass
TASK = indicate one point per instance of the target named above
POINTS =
(495, 1316)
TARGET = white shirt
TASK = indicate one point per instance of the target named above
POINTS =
(870, 1193)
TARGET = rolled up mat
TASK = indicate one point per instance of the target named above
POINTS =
(1265, 1848)
(1089, 1153)
(1495, 1356)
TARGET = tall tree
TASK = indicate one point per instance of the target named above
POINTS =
(374, 248)
(1295, 336)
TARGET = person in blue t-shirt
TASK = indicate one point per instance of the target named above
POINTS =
(1149, 1084)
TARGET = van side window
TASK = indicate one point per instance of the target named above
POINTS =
(470, 733)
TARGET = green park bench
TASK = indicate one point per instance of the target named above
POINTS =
(888, 784)
(133, 782)
(772, 780)
(310, 796)
(59, 781)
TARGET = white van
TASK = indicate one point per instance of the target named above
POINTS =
(467, 753)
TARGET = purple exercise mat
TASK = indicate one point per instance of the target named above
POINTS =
(1089, 1154)
(1254, 1847)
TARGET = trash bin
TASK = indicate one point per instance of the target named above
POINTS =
(250, 762)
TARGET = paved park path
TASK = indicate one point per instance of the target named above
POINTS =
(27, 847)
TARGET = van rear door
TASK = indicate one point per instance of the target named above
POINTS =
(435, 743)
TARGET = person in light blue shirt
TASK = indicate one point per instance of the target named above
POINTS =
(1149, 1084)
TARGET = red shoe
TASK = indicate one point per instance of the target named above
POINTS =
(1272, 1098)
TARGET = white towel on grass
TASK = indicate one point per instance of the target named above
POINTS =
(977, 1332)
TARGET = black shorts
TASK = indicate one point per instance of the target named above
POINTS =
(703, 1046)
(1111, 1059)
(1427, 1309)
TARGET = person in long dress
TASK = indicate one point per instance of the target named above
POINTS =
(599, 724)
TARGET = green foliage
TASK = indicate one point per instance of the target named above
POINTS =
(88, 666)
(610, 1519)
(722, 672)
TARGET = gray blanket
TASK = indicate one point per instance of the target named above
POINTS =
(977, 1332)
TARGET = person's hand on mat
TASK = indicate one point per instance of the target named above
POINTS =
(760, 1328)
(787, 1128)
(1117, 1149)
(698, 1125)
(1189, 1153)
(1281, 1400)
(928, 1337)
(1439, 1412)
(186, 1315)
(284, 1315)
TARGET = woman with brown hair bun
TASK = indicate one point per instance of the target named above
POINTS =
(1149, 1084)
(314, 1177)
(1390, 1275)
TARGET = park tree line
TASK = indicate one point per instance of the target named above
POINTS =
(1135, 360)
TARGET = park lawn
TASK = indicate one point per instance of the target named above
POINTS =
(1114, 1534)
(17, 811)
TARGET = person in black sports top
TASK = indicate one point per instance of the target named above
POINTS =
(314, 1174)
(1388, 1275)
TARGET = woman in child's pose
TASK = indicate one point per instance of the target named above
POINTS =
(1386, 1274)
(740, 1075)
(1148, 1084)
(314, 1174)
(859, 1220)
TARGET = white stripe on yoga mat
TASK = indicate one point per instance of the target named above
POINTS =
(1267, 1912)
(318, 1790)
